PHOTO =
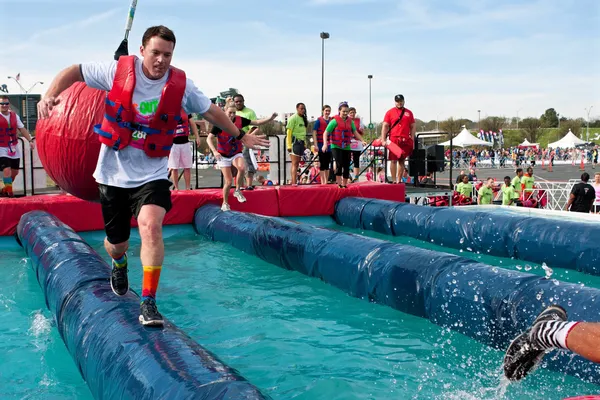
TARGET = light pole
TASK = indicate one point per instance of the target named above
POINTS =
(587, 134)
(26, 100)
(370, 114)
(324, 35)
(479, 120)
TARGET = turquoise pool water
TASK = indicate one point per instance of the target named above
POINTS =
(293, 336)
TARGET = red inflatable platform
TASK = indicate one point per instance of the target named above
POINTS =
(274, 201)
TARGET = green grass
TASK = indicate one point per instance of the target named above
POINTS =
(513, 137)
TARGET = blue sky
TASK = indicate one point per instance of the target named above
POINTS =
(449, 58)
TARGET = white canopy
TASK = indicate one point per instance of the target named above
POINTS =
(526, 143)
(466, 139)
(567, 142)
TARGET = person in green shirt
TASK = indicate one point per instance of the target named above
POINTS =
(516, 181)
(339, 133)
(485, 193)
(527, 184)
(508, 192)
(465, 187)
(296, 128)
(247, 113)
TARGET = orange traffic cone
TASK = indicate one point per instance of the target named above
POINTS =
(581, 166)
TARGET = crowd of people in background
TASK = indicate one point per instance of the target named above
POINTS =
(521, 155)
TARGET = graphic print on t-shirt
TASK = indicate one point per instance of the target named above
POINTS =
(143, 114)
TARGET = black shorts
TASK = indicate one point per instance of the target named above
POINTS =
(356, 158)
(120, 204)
(298, 147)
(324, 160)
(12, 163)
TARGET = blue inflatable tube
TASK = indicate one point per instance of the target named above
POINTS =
(491, 305)
(502, 234)
(118, 357)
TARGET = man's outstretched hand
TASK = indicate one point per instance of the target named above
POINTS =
(252, 141)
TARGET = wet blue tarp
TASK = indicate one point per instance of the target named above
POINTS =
(118, 357)
(558, 243)
(491, 305)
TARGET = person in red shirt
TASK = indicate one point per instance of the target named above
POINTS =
(399, 123)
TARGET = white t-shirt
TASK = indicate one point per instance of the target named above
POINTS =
(131, 167)
(16, 151)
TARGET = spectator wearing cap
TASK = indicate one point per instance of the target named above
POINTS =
(399, 123)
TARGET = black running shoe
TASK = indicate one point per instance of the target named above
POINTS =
(119, 282)
(149, 314)
(524, 354)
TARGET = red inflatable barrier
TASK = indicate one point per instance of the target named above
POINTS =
(66, 142)
(313, 200)
(273, 201)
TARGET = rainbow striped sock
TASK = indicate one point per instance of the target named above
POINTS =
(121, 261)
(150, 282)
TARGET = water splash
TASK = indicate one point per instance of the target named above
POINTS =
(547, 270)
(40, 330)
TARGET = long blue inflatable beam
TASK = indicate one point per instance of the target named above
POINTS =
(118, 357)
(490, 305)
(508, 235)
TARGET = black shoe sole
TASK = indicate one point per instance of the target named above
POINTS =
(155, 322)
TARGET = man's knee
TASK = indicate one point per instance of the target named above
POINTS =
(150, 222)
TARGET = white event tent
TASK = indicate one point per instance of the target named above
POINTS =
(526, 143)
(567, 142)
(466, 139)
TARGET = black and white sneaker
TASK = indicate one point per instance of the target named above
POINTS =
(119, 282)
(149, 314)
(524, 353)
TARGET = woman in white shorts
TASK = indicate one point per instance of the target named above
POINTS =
(229, 152)
(180, 156)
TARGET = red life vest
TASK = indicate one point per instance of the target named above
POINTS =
(183, 129)
(8, 134)
(322, 126)
(227, 146)
(342, 135)
(118, 124)
(357, 125)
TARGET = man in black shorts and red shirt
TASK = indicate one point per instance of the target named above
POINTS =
(582, 196)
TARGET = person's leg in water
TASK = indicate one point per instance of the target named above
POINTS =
(549, 331)
(240, 165)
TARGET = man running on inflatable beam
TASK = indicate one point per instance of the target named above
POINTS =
(136, 136)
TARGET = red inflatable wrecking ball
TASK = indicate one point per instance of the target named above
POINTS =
(67, 144)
